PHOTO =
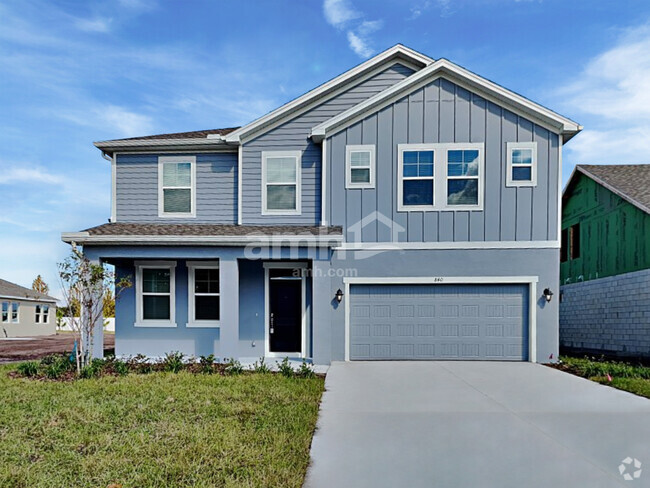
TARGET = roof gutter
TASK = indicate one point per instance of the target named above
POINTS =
(211, 143)
(85, 238)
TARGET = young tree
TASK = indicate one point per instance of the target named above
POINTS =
(86, 283)
(40, 286)
(109, 304)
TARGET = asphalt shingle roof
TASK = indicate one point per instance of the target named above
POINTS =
(197, 134)
(630, 181)
(133, 229)
(9, 289)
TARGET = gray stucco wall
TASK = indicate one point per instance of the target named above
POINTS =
(294, 135)
(607, 315)
(216, 189)
(438, 113)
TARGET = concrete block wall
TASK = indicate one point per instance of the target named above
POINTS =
(608, 315)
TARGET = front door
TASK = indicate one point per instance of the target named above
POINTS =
(285, 311)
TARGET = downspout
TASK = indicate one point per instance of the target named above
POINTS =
(113, 217)
(106, 157)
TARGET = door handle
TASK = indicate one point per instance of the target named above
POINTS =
(271, 328)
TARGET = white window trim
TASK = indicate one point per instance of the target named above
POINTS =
(161, 196)
(139, 266)
(8, 321)
(297, 155)
(37, 313)
(533, 166)
(45, 316)
(11, 313)
(349, 184)
(192, 266)
(440, 177)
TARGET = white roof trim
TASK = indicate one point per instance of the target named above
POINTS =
(28, 299)
(485, 88)
(85, 238)
(397, 50)
(196, 141)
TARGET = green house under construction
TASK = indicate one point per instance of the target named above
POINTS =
(605, 260)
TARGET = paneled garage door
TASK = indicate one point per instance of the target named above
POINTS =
(486, 322)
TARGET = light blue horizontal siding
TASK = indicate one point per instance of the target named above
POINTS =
(294, 135)
(216, 189)
(444, 112)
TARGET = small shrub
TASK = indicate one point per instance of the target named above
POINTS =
(261, 367)
(173, 362)
(28, 369)
(285, 368)
(305, 371)
(121, 368)
(206, 364)
(89, 371)
(56, 368)
(140, 364)
(233, 367)
(50, 359)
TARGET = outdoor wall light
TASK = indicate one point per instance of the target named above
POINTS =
(548, 294)
(339, 295)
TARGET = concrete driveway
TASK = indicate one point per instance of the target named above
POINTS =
(475, 424)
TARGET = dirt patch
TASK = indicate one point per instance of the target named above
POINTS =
(38, 347)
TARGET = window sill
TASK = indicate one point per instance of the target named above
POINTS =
(525, 184)
(203, 325)
(154, 323)
(176, 216)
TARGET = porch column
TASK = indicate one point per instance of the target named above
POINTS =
(229, 289)
(322, 303)
(98, 331)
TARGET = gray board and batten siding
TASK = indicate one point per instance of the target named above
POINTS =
(216, 189)
(443, 112)
(295, 135)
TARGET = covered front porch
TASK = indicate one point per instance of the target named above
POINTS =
(223, 301)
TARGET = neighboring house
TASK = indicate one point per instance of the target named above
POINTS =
(406, 209)
(25, 312)
(605, 260)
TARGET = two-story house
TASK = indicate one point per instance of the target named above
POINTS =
(406, 209)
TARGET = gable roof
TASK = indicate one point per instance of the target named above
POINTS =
(631, 182)
(12, 290)
(397, 53)
(462, 77)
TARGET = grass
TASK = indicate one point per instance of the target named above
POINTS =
(160, 429)
(624, 376)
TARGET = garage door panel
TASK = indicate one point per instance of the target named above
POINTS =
(439, 322)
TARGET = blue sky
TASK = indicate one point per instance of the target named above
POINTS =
(73, 72)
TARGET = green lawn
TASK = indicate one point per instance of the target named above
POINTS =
(624, 376)
(157, 430)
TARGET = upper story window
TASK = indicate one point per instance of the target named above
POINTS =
(440, 177)
(177, 186)
(155, 290)
(522, 164)
(204, 294)
(10, 312)
(462, 177)
(42, 314)
(360, 166)
(281, 188)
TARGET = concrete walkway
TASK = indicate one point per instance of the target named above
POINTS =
(475, 424)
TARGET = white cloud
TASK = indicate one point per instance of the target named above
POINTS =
(14, 174)
(339, 12)
(611, 97)
(342, 15)
(358, 45)
(94, 25)
(125, 122)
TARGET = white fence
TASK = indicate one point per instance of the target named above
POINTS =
(109, 324)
